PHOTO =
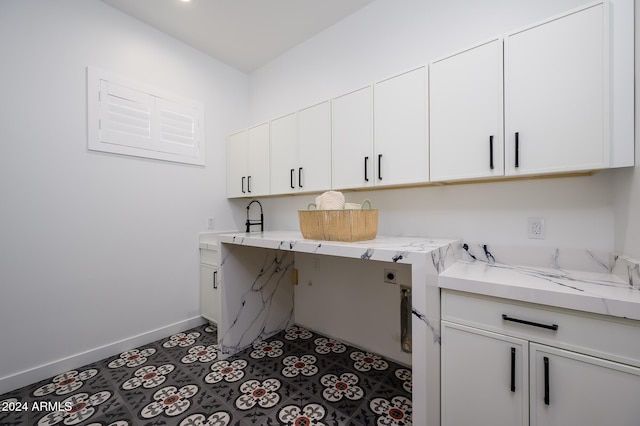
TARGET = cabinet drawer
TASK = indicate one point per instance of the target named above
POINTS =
(602, 336)
(209, 257)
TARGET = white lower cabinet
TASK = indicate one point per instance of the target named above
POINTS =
(481, 371)
(209, 286)
(569, 388)
(506, 363)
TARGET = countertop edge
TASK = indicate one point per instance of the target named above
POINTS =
(608, 300)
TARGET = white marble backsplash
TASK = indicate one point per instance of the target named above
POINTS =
(565, 259)
(597, 293)
(626, 269)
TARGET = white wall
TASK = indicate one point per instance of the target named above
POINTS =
(388, 37)
(96, 248)
(348, 299)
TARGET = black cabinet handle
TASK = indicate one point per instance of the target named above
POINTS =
(491, 152)
(535, 324)
(215, 279)
(300, 177)
(249, 184)
(546, 380)
(379, 166)
(517, 149)
(291, 179)
(513, 369)
(366, 178)
(243, 191)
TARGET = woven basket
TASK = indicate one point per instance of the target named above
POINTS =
(339, 225)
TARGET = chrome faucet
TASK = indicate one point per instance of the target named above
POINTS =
(250, 222)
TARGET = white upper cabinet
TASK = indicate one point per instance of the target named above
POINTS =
(314, 142)
(259, 163)
(248, 162)
(237, 165)
(301, 151)
(380, 133)
(284, 154)
(352, 140)
(557, 95)
(466, 114)
(400, 129)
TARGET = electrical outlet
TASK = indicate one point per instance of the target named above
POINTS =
(211, 223)
(390, 276)
(535, 228)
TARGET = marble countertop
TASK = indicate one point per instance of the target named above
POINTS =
(600, 293)
(208, 242)
(395, 249)
(613, 290)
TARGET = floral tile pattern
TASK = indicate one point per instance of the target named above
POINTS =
(295, 378)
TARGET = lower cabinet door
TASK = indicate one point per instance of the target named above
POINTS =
(568, 388)
(484, 378)
(210, 293)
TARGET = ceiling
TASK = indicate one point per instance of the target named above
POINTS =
(244, 34)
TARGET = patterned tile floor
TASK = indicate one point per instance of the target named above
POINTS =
(293, 378)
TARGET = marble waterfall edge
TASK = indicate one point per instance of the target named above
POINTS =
(258, 296)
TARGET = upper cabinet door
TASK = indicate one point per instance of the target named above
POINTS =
(400, 134)
(258, 161)
(352, 140)
(556, 76)
(466, 114)
(284, 154)
(237, 165)
(314, 136)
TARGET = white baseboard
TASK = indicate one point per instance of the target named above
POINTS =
(45, 371)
